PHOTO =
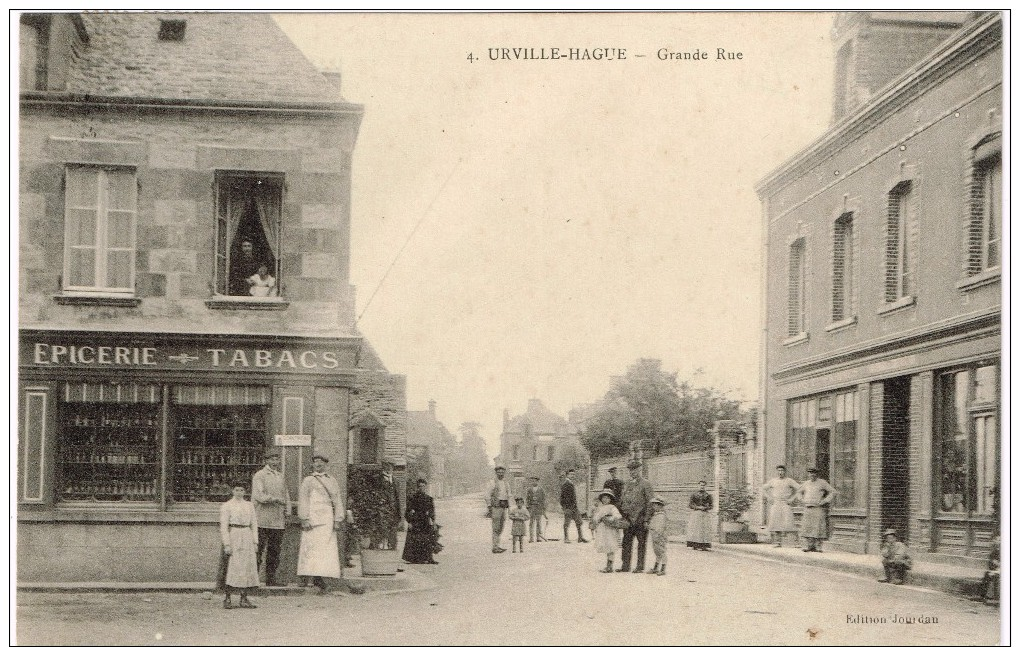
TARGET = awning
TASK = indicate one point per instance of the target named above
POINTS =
(221, 395)
(112, 393)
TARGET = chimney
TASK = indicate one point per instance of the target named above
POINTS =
(432, 408)
(333, 78)
(506, 418)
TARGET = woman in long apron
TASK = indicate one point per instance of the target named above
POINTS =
(699, 520)
(240, 534)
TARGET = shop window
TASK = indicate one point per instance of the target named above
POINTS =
(822, 433)
(99, 229)
(248, 242)
(843, 268)
(109, 440)
(844, 449)
(219, 437)
(898, 253)
(969, 455)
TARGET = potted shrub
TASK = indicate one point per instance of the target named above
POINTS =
(370, 506)
(733, 503)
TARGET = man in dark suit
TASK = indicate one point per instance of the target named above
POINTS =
(614, 484)
(395, 517)
(568, 501)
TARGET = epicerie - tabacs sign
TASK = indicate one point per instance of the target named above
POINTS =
(303, 358)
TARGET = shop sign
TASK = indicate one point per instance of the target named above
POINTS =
(301, 357)
(293, 440)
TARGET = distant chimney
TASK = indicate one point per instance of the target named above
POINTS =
(872, 48)
(506, 418)
(432, 408)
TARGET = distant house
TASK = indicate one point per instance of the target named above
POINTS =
(430, 444)
(881, 353)
(540, 443)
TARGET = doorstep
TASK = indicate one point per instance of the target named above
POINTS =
(949, 578)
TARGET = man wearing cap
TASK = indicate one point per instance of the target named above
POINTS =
(272, 504)
(614, 484)
(499, 504)
(534, 499)
(895, 559)
(635, 505)
(568, 502)
(816, 494)
(320, 511)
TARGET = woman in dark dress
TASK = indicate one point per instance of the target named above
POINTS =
(421, 516)
(699, 520)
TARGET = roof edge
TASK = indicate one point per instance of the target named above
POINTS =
(916, 79)
(44, 97)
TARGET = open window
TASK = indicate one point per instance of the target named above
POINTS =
(249, 209)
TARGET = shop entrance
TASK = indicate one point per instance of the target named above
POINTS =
(895, 455)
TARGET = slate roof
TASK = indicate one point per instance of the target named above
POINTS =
(223, 56)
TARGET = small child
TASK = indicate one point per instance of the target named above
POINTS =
(607, 536)
(519, 516)
(657, 533)
(895, 559)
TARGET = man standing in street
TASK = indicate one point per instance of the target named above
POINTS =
(635, 505)
(320, 511)
(499, 505)
(535, 501)
(568, 501)
(778, 493)
(272, 504)
(395, 517)
(614, 484)
(816, 494)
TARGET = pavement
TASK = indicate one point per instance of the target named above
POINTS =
(553, 593)
(963, 581)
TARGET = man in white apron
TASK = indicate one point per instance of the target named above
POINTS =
(321, 512)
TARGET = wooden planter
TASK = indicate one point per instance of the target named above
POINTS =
(379, 562)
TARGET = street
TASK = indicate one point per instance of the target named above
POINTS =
(551, 594)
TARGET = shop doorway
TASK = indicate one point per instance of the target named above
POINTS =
(895, 455)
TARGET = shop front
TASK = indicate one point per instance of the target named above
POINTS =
(128, 442)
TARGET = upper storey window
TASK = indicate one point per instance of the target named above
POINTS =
(248, 241)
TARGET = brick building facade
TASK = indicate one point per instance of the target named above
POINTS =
(163, 159)
(882, 339)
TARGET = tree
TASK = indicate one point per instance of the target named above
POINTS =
(650, 404)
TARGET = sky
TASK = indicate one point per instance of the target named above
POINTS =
(530, 228)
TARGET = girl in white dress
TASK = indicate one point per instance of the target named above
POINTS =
(607, 537)
(239, 531)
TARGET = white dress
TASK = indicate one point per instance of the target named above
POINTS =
(607, 539)
(239, 530)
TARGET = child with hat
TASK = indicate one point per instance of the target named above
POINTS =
(657, 533)
(519, 516)
(607, 534)
(895, 559)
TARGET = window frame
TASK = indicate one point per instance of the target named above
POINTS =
(899, 255)
(807, 419)
(221, 183)
(100, 248)
(975, 504)
(796, 313)
(843, 267)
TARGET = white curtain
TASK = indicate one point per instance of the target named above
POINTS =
(235, 211)
(269, 216)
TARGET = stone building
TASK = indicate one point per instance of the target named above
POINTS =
(541, 443)
(432, 443)
(882, 339)
(163, 159)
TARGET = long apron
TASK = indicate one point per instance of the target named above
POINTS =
(319, 555)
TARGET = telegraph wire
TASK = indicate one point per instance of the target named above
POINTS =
(406, 242)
